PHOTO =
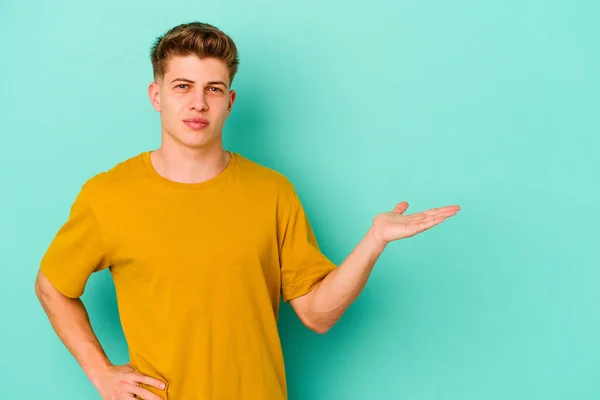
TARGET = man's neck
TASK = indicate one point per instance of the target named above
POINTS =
(186, 165)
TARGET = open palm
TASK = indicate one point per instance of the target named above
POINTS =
(394, 225)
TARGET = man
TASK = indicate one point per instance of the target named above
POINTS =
(201, 242)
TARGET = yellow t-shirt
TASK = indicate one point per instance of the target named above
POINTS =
(198, 271)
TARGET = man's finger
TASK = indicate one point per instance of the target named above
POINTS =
(144, 394)
(148, 380)
(439, 211)
(430, 222)
(421, 217)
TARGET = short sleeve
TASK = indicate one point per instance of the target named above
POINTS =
(76, 251)
(303, 265)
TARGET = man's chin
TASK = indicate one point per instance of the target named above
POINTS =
(194, 139)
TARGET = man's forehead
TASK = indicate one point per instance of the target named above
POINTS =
(196, 69)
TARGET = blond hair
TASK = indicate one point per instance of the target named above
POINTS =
(194, 38)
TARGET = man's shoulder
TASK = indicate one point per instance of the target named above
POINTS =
(116, 178)
(267, 177)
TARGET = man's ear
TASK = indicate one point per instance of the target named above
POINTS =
(154, 94)
(231, 99)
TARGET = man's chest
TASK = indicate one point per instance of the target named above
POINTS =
(201, 241)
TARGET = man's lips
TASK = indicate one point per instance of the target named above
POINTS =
(196, 123)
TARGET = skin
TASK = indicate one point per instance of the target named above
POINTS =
(186, 155)
(193, 87)
(70, 321)
(321, 308)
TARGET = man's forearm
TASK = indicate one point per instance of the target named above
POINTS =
(338, 290)
(70, 320)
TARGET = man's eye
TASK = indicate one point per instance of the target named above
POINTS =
(182, 86)
(216, 89)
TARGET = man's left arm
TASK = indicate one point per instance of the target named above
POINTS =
(322, 307)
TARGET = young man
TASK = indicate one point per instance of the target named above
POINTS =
(201, 242)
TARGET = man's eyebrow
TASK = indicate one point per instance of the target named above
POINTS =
(217, 83)
(182, 79)
(191, 81)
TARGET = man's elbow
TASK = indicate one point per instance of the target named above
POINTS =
(39, 292)
(45, 291)
(322, 322)
(320, 327)
(321, 330)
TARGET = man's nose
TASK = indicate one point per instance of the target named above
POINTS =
(199, 102)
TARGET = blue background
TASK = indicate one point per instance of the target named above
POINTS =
(489, 105)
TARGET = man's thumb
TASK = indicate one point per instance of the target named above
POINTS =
(401, 207)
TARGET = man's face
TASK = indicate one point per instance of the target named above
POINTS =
(193, 99)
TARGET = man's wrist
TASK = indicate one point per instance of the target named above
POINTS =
(375, 242)
(98, 371)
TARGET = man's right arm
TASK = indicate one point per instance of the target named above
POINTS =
(69, 319)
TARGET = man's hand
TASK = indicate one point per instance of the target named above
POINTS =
(321, 308)
(393, 225)
(122, 382)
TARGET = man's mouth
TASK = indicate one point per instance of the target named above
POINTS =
(196, 123)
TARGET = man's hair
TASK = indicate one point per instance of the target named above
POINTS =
(194, 38)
